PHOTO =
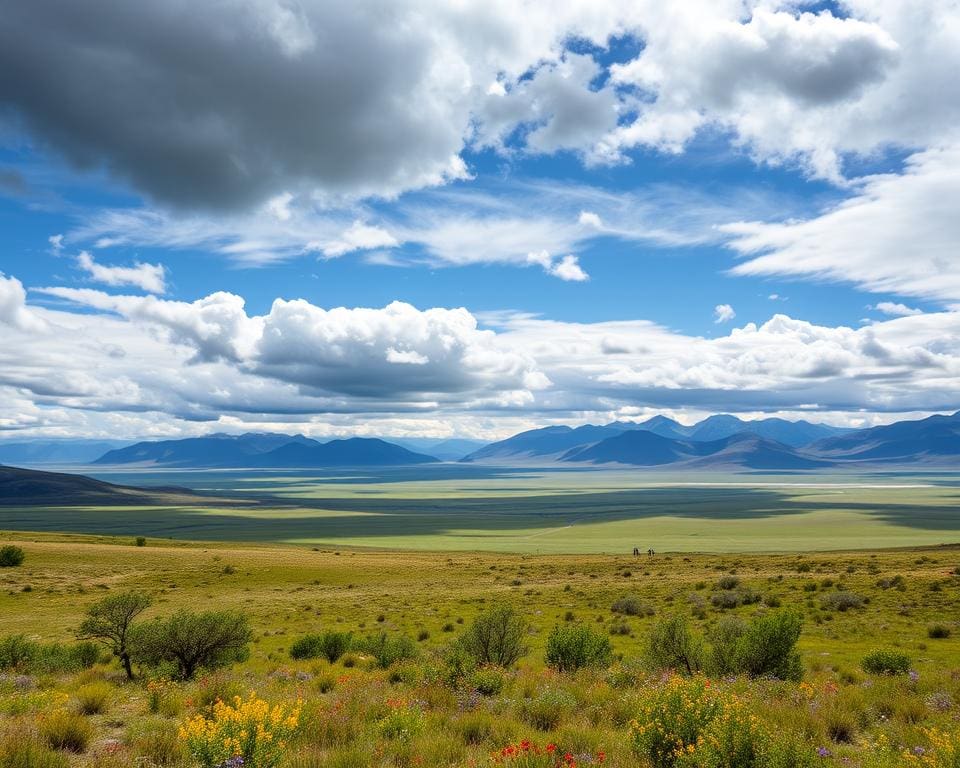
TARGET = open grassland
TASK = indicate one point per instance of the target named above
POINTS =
(469, 508)
(415, 713)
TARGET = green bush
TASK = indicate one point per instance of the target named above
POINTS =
(191, 640)
(767, 647)
(11, 556)
(576, 646)
(724, 637)
(631, 605)
(496, 637)
(545, 711)
(488, 681)
(840, 601)
(886, 662)
(306, 647)
(18, 652)
(728, 582)
(387, 649)
(673, 645)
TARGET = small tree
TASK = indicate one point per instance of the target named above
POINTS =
(192, 640)
(109, 621)
(496, 637)
(672, 645)
(11, 555)
(724, 638)
(573, 647)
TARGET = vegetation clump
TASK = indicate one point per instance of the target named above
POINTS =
(576, 646)
(496, 637)
(11, 556)
(886, 662)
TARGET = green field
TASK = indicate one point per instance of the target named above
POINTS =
(461, 508)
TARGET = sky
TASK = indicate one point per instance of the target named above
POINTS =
(471, 218)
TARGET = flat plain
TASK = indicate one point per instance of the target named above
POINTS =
(464, 508)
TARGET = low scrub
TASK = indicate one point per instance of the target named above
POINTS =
(631, 605)
(328, 645)
(886, 662)
(11, 556)
(19, 653)
(67, 731)
(496, 637)
(841, 601)
(576, 646)
(388, 649)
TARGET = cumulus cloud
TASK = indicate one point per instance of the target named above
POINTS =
(567, 268)
(148, 277)
(13, 306)
(897, 234)
(723, 313)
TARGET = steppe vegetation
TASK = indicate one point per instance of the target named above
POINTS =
(284, 657)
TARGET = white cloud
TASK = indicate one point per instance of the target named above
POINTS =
(568, 268)
(590, 219)
(148, 277)
(896, 309)
(723, 313)
(897, 234)
(56, 243)
(13, 306)
(358, 237)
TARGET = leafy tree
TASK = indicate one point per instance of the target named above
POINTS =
(496, 637)
(672, 645)
(573, 647)
(191, 640)
(723, 645)
(110, 621)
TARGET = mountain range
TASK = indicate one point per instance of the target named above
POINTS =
(726, 442)
(260, 450)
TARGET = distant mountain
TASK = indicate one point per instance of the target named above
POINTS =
(452, 449)
(792, 433)
(647, 449)
(352, 452)
(254, 450)
(38, 452)
(541, 444)
(935, 439)
(30, 487)
(659, 425)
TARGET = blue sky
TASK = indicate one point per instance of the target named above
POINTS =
(602, 211)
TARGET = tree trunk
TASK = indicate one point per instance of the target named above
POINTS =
(127, 666)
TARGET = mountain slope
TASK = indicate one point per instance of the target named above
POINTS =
(646, 449)
(792, 433)
(352, 452)
(935, 439)
(30, 487)
(542, 443)
(253, 450)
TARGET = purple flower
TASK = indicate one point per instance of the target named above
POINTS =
(914, 675)
(918, 751)
(823, 752)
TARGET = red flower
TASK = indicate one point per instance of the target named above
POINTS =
(551, 748)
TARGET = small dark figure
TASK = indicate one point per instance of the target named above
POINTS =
(650, 552)
(636, 551)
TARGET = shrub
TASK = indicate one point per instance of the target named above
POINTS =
(487, 681)
(66, 731)
(841, 601)
(11, 556)
(23, 749)
(496, 637)
(110, 621)
(306, 647)
(938, 632)
(545, 711)
(673, 720)
(576, 646)
(93, 698)
(192, 640)
(250, 729)
(886, 662)
(767, 647)
(141, 541)
(724, 638)
(631, 605)
(17, 652)
(672, 645)
(728, 582)
(387, 649)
